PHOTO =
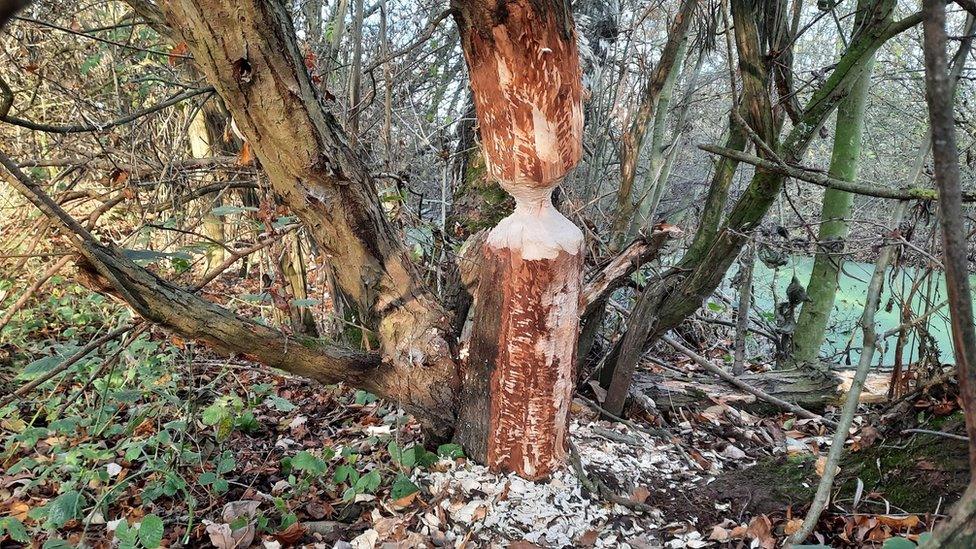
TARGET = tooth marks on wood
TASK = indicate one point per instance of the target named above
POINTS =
(525, 79)
(518, 375)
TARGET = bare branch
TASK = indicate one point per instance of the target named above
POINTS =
(824, 180)
(81, 128)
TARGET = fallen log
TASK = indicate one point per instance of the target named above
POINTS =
(793, 386)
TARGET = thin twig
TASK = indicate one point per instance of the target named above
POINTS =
(97, 127)
(937, 433)
(599, 488)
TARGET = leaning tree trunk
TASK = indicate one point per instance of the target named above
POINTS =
(248, 51)
(517, 381)
(663, 305)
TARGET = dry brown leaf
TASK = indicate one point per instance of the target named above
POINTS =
(640, 494)
(903, 522)
(792, 526)
(761, 529)
(244, 157)
(821, 466)
(386, 526)
(523, 545)
(588, 539)
(719, 534)
(292, 534)
(144, 429)
(738, 532)
(178, 52)
(316, 510)
(19, 510)
(867, 438)
(221, 536)
(406, 500)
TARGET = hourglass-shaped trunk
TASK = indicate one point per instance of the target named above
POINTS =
(517, 378)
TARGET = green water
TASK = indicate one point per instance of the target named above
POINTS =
(843, 329)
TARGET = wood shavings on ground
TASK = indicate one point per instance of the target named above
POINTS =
(492, 508)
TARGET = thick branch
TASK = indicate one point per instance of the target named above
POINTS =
(823, 180)
(615, 273)
(106, 268)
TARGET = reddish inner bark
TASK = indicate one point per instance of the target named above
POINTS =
(530, 383)
(525, 78)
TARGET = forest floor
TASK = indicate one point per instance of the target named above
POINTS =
(158, 442)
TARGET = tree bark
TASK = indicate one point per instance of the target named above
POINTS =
(960, 531)
(517, 380)
(811, 327)
(518, 377)
(648, 206)
(746, 265)
(203, 134)
(247, 49)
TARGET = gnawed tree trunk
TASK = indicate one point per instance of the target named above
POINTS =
(517, 381)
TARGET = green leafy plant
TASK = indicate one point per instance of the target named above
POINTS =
(14, 528)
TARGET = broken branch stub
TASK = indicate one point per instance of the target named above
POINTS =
(517, 380)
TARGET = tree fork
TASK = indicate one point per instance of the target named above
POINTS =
(517, 382)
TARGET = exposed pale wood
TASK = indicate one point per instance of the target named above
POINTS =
(518, 375)
(525, 79)
(615, 273)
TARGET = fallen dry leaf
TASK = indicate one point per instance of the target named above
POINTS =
(761, 530)
(366, 540)
(792, 526)
(821, 466)
(291, 535)
(903, 522)
(221, 536)
(719, 534)
(640, 494)
(588, 539)
(177, 52)
(19, 510)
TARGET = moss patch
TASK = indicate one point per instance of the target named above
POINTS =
(480, 203)
(912, 473)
